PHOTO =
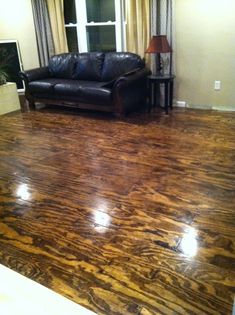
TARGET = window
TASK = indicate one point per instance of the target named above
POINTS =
(94, 25)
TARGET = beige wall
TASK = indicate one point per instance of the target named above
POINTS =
(205, 52)
(16, 22)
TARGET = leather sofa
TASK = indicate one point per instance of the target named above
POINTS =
(113, 81)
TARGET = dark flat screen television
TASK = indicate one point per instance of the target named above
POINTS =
(10, 61)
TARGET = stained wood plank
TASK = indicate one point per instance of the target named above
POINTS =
(123, 217)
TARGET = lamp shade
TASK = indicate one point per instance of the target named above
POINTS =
(158, 44)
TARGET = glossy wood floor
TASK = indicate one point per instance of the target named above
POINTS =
(123, 217)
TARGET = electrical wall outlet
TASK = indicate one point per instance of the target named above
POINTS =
(217, 85)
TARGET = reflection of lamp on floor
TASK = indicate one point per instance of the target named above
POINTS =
(158, 45)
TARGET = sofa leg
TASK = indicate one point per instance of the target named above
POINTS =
(120, 114)
(31, 104)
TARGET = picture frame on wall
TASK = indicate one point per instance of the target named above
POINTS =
(11, 63)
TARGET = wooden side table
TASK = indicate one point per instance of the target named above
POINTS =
(156, 80)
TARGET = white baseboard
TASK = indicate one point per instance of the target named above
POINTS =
(200, 106)
(225, 108)
(184, 104)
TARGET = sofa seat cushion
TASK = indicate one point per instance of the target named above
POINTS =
(95, 93)
(67, 87)
(44, 86)
(84, 91)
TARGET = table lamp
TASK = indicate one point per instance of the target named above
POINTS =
(158, 45)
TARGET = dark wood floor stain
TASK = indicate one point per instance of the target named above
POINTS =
(132, 216)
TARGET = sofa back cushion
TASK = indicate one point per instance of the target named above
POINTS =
(62, 66)
(89, 66)
(93, 66)
(118, 63)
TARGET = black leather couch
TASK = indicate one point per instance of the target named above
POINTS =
(113, 81)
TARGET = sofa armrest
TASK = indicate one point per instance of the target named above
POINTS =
(133, 75)
(35, 74)
(130, 89)
(111, 83)
(132, 72)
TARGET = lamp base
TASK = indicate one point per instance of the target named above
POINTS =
(158, 71)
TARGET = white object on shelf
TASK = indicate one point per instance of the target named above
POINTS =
(9, 99)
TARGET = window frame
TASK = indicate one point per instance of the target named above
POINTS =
(82, 24)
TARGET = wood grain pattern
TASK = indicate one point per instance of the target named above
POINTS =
(132, 216)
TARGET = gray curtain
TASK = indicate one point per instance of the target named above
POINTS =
(43, 31)
(162, 23)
